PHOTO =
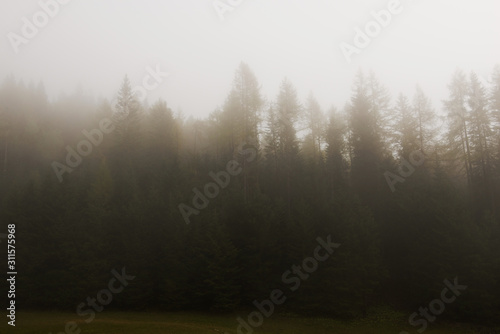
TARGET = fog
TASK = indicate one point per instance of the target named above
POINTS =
(238, 166)
(95, 43)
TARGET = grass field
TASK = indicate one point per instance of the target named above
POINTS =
(187, 323)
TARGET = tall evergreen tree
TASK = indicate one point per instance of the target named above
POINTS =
(425, 116)
(458, 118)
(315, 122)
(241, 119)
(336, 162)
(367, 102)
(282, 133)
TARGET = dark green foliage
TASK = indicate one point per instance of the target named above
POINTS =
(120, 206)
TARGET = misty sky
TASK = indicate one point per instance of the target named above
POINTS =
(95, 43)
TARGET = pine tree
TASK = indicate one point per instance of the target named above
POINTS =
(481, 141)
(406, 127)
(367, 102)
(127, 118)
(162, 149)
(315, 122)
(282, 135)
(425, 117)
(241, 119)
(336, 163)
(458, 118)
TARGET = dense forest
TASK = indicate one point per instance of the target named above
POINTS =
(208, 214)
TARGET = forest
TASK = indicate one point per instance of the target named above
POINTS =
(212, 214)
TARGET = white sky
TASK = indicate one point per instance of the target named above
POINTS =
(97, 42)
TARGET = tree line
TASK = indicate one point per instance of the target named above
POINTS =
(350, 173)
